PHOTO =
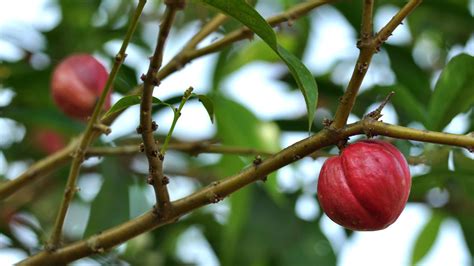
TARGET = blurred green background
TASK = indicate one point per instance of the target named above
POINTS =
(428, 63)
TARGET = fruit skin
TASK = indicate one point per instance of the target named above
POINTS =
(366, 187)
(76, 85)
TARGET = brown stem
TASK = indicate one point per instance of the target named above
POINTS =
(368, 45)
(147, 126)
(216, 191)
(192, 148)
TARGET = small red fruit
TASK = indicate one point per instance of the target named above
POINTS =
(77, 83)
(366, 187)
(48, 141)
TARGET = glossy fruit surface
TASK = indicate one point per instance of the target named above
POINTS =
(366, 187)
(77, 83)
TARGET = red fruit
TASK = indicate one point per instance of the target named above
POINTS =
(366, 187)
(48, 141)
(77, 83)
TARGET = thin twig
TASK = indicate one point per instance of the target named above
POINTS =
(147, 126)
(387, 30)
(177, 114)
(187, 55)
(192, 148)
(367, 18)
(220, 189)
(89, 133)
(368, 46)
(205, 31)
(377, 113)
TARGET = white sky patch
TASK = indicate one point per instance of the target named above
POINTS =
(255, 86)
(44, 15)
(10, 52)
(307, 207)
(401, 35)
(335, 233)
(332, 38)
(10, 256)
(449, 248)
(194, 123)
(459, 124)
(391, 246)
(193, 248)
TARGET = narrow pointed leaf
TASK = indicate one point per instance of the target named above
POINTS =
(248, 16)
(132, 100)
(207, 103)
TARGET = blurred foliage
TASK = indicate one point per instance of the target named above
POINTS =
(257, 225)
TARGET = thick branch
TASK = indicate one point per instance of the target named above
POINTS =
(220, 189)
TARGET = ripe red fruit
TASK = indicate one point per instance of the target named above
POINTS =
(48, 141)
(366, 187)
(77, 83)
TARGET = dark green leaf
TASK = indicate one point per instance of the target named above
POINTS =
(132, 100)
(113, 198)
(426, 238)
(462, 163)
(126, 80)
(275, 236)
(123, 103)
(453, 91)
(239, 127)
(467, 226)
(247, 15)
(257, 50)
(409, 74)
(207, 103)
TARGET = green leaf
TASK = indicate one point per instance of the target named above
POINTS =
(111, 206)
(427, 237)
(409, 74)
(408, 105)
(207, 103)
(237, 126)
(248, 16)
(467, 226)
(275, 236)
(126, 80)
(453, 91)
(462, 163)
(256, 50)
(132, 100)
